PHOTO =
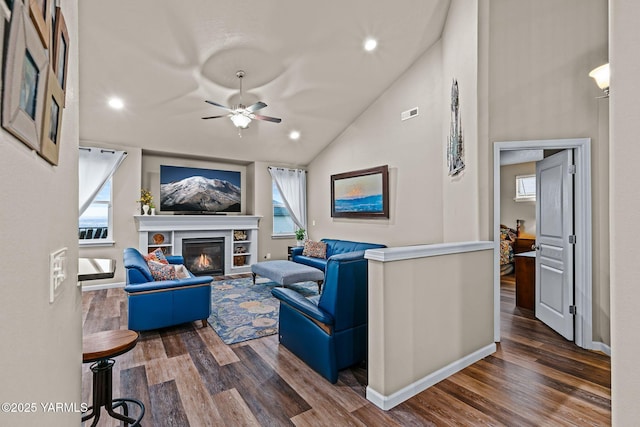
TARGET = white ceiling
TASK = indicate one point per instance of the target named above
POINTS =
(303, 58)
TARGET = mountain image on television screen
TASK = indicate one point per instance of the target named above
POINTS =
(198, 193)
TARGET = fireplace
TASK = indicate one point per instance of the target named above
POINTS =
(204, 256)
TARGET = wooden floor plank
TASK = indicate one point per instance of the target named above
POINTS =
(309, 384)
(167, 406)
(134, 381)
(233, 410)
(221, 352)
(187, 376)
(261, 387)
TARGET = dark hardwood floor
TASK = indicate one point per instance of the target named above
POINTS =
(186, 376)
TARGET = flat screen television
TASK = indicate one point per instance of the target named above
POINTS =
(196, 190)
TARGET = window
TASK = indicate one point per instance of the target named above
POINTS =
(95, 223)
(525, 188)
(283, 225)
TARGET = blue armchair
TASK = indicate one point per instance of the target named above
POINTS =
(329, 332)
(157, 304)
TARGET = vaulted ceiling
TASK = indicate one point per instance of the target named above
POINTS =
(304, 59)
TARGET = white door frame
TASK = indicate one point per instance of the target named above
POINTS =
(583, 230)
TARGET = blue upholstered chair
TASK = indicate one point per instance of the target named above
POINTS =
(329, 332)
(157, 304)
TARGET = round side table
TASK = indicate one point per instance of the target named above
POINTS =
(100, 348)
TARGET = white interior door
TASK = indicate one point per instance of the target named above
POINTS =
(554, 251)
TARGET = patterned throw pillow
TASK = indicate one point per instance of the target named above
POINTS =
(161, 271)
(181, 272)
(157, 256)
(315, 249)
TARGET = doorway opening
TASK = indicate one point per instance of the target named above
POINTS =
(583, 336)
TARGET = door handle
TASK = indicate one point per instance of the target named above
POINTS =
(535, 247)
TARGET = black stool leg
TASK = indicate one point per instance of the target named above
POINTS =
(102, 396)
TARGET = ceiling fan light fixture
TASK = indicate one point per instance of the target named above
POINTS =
(240, 114)
(240, 121)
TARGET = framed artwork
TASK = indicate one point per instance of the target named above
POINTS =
(455, 144)
(24, 80)
(40, 12)
(52, 122)
(60, 49)
(361, 194)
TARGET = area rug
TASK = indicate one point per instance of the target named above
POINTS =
(242, 311)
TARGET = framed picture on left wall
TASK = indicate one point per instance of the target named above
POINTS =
(52, 122)
(25, 79)
(40, 11)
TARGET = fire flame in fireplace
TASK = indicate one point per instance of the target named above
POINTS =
(203, 262)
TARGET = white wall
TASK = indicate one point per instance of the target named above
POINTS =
(625, 211)
(41, 351)
(460, 61)
(426, 206)
(426, 314)
(540, 53)
(510, 210)
(413, 149)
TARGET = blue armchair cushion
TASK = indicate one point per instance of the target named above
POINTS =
(306, 306)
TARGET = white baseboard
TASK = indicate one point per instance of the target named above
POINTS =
(600, 346)
(388, 402)
(87, 288)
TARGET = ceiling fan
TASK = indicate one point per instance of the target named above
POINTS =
(240, 115)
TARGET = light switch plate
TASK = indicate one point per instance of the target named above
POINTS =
(57, 272)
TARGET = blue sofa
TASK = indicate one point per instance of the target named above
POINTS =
(334, 247)
(157, 304)
(329, 332)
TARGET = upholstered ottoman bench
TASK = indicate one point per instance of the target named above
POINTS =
(286, 272)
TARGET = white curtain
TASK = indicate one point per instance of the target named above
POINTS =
(292, 184)
(95, 167)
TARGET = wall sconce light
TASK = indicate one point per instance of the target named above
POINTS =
(601, 76)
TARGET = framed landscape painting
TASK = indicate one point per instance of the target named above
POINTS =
(361, 194)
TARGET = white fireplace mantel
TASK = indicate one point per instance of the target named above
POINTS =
(195, 222)
(173, 229)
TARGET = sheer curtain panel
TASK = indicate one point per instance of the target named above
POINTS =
(292, 184)
(95, 167)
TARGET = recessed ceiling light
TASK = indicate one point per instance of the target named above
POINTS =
(294, 134)
(370, 44)
(116, 103)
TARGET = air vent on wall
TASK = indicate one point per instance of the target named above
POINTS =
(409, 114)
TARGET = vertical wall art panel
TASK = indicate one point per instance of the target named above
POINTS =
(455, 144)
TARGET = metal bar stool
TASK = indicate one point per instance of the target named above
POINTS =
(100, 348)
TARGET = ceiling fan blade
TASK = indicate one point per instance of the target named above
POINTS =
(218, 105)
(214, 117)
(267, 118)
(255, 107)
